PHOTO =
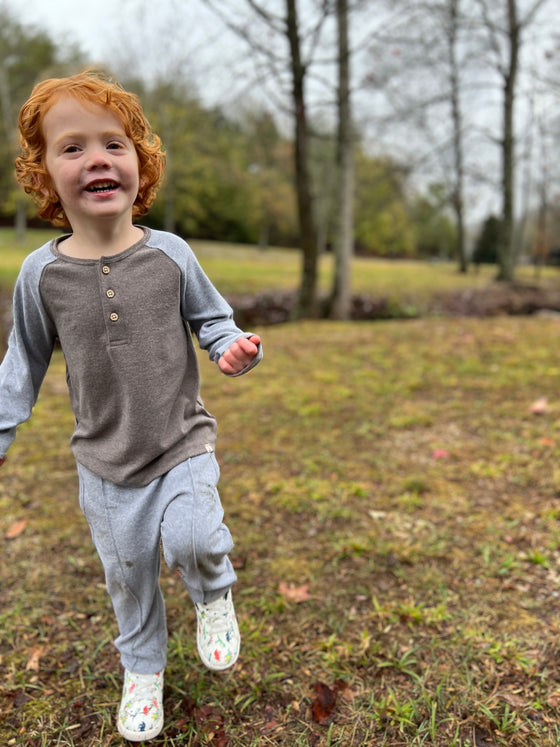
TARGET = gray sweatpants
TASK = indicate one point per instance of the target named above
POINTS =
(180, 510)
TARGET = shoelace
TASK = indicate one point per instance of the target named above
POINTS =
(217, 616)
(145, 686)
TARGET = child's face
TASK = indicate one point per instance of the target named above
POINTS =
(92, 164)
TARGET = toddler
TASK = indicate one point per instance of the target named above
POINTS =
(124, 301)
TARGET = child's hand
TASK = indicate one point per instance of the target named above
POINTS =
(239, 355)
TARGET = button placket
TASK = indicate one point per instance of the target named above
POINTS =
(116, 328)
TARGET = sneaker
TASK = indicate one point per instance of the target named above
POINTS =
(141, 710)
(217, 635)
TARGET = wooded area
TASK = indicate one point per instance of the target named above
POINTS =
(376, 128)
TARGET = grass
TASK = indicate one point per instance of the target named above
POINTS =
(394, 503)
(238, 268)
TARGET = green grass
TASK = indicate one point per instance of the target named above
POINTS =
(12, 252)
(393, 474)
(238, 268)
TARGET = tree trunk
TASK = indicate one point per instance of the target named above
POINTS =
(506, 254)
(306, 305)
(20, 222)
(457, 119)
(341, 300)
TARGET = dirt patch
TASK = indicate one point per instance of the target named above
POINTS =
(275, 307)
(497, 299)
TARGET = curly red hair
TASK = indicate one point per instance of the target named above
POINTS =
(89, 87)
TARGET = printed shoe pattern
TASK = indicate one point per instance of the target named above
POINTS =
(217, 638)
(141, 711)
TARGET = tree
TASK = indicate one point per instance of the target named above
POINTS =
(421, 56)
(486, 250)
(505, 27)
(340, 300)
(435, 233)
(451, 24)
(285, 25)
(24, 57)
(383, 222)
(271, 179)
(225, 177)
(307, 299)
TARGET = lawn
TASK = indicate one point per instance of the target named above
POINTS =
(393, 492)
(236, 268)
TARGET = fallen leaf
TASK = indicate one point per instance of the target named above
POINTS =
(554, 700)
(349, 695)
(16, 529)
(539, 406)
(513, 700)
(322, 707)
(238, 562)
(35, 658)
(440, 453)
(296, 594)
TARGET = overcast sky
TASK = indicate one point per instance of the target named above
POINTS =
(93, 23)
(155, 34)
(88, 22)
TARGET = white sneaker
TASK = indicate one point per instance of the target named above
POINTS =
(217, 634)
(141, 710)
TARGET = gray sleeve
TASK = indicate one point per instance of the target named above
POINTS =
(30, 347)
(209, 315)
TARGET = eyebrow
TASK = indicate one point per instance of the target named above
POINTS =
(106, 135)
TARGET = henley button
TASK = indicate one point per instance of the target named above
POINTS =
(105, 270)
(114, 317)
(110, 293)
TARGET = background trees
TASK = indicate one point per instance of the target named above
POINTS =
(506, 23)
(24, 55)
(257, 159)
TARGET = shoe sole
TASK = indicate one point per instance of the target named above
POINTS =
(139, 736)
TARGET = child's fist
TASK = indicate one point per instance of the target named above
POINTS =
(239, 354)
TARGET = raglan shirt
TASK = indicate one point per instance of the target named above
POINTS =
(125, 325)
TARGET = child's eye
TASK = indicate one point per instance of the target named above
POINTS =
(71, 149)
(114, 146)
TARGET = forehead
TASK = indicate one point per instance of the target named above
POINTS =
(68, 114)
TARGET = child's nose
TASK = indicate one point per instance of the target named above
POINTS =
(98, 159)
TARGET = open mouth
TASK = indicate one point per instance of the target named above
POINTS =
(100, 187)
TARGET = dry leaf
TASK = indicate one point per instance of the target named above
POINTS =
(539, 406)
(515, 701)
(554, 700)
(16, 529)
(296, 594)
(324, 704)
(35, 658)
(322, 707)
